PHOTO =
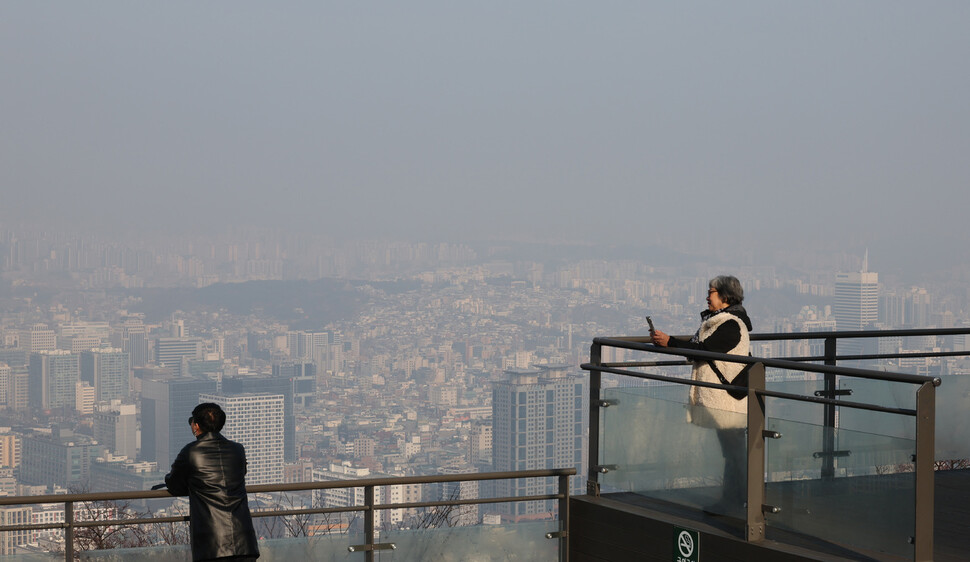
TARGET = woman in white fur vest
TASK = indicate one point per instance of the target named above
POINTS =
(724, 329)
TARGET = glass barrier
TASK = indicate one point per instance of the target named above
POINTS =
(659, 454)
(952, 397)
(519, 541)
(868, 504)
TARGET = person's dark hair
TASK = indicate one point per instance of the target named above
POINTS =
(209, 416)
(728, 288)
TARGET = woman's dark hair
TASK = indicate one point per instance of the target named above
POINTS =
(728, 288)
(209, 416)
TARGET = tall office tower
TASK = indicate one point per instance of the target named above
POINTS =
(856, 305)
(115, 427)
(166, 405)
(262, 384)
(134, 341)
(61, 458)
(255, 421)
(538, 422)
(18, 389)
(175, 352)
(892, 311)
(918, 311)
(6, 381)
(38, 338)
(107, 371)
(304, 378)
(53, 379)
(299, 345)
(326, 351)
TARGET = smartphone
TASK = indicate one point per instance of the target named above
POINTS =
(650, 322)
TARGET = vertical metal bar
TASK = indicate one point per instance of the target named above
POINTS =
(755, 517)
(69, 531)
(592, 482)
(369, 515)
(829, 421)
(925, 454)
(564, 518)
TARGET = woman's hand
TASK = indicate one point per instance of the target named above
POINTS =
(660, 338)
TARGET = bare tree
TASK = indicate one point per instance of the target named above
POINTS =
(103, 537)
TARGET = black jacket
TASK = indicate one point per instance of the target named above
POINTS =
(212, 472)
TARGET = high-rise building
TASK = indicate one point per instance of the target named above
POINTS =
(261, 384)
(115, 427)
(107, 371)
(166, 405)
(538, 422)
(255, 421)
(134, 342)
(6, 378)
(53, 379)
(856, 305)
(18, 388)
(304, 379)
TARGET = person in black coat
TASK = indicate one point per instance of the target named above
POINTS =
(212, 472)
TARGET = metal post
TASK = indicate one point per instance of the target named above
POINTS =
(829, 421)
(755, 517)
(925, 454)
(369, 523)
(69, 531)
(564, 518)
(592, 482)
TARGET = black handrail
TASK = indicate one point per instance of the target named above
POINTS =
(625, 343)
(370, 505)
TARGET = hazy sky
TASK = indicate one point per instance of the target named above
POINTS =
(594, 121)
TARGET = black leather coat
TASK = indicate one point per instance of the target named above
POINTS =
(211, 471)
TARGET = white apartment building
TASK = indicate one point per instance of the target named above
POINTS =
(255, 421)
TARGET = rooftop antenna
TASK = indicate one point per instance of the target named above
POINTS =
(865, 261)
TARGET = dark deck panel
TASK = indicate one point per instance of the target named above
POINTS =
(628, 526)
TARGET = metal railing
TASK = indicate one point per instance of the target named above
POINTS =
(828, 397)
(369, 507)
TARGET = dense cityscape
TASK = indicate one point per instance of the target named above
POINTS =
(344, 360)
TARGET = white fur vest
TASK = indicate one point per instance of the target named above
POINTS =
(713, 407)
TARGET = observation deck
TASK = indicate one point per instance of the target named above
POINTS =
(842, 463)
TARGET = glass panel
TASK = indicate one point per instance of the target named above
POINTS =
(658, 453)
(952, 397)
(520, 541)
(868, 504)
(952, 429)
